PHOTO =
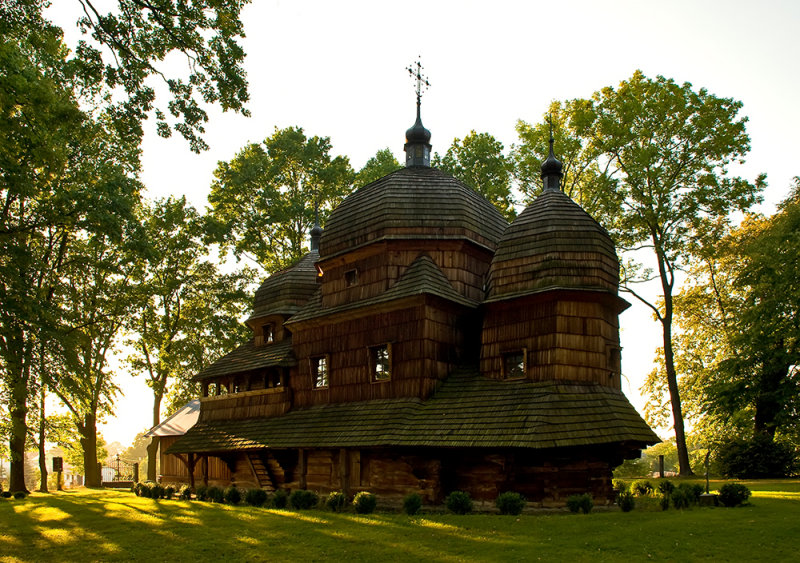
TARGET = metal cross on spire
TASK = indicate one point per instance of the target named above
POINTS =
(422, 83)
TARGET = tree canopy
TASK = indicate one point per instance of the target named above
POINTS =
(377, 167)
(263, 200)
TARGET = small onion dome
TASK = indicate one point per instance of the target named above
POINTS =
(284, 292)
(316, 233)
(552, 171)
(412, 204)
(418, 145)
(417, 133)
(553, 244)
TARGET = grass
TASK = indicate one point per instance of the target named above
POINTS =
(98, 525)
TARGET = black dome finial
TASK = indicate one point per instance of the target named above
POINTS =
(316, 230)
(551, 167)
(418, 147)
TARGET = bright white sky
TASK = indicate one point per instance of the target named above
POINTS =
(337, 69)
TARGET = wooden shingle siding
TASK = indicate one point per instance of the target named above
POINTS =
(284, 292)
(249, 357)
(416, 202)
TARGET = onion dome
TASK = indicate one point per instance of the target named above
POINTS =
(418, 145)
(285, 292)
(553, 244)
(414, 203)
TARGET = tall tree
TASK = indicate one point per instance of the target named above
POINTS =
(669, 146)
(479, 162)
(586, 178)
(263, 200)
(377, 167)
(740, 326)
(187, 309)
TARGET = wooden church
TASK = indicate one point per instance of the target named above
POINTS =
(426, 345)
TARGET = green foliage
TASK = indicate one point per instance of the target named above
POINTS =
(365, 502)
(169, 492)
(510, 503)
(262, 201)
(664, 501)
(336, 501)
(412, 503)
(666, 487)
(620, 486)
(201, 493)
(255, 497)
(280, 499)
(733, 494)
(756, 458)
(681, 498)
(19, 495)
(458, 502)
(642, 487)
(185, 492)
(233, 495)
(478, 161)
(5, 494)
(216, 494)
(626, 501)
(377, 167)
(302, 499)
(632, 468)
(156, 491)
(583, 503)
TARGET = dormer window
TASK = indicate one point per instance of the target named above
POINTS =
(514, 364)
(380, 358)
(319, 372)
(351, 278)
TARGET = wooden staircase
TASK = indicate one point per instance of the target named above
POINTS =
(261, 472)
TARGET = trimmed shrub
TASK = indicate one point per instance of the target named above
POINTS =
(201, 493)
(255, 497)
(664, 501)
(169, 492)
(459, 502)
(642, 487)
(185, 492)
(681, 498)
(233, 495)
(365, 502)
(280, 499)
(156, 491)
(303, 500)
(582, 503)
(620, 486)
(626, 501)
(666, 487)
(5, 494)
(19, 495)
(692, 492)
(756, 458)
(510, 503)
(412, 503)
(216, 494)
(336, 501)
(733, 494)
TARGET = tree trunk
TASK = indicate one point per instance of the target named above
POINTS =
(152, 449)
(685, 468)
(18, 411)
(42, 453)
(88, 431)
(768, 403)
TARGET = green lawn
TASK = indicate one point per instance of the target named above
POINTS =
(92, 525)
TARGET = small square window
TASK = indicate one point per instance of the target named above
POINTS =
(514, 364)
(269, 333)
(380, 363)
(319, 372)
(351, 277)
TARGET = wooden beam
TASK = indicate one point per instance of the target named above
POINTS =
(301, 467)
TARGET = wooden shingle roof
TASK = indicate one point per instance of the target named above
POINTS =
(412, 203)
(422, 277)
(553, 243)
(285, 292)
(468, 410)
(248, 357)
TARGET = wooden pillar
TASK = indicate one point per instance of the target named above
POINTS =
(344, 470)
(205, 470)
(190, 467)
(301, 467)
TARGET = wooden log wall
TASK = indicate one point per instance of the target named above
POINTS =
(379, 266)
(426, 342)
(173, 470)
(247, 404)
(565, 339)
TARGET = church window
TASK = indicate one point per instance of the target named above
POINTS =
(514, 365)
(614, 360)
(269, 333)
(351, 277)
(319, 372)
(380, 363)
